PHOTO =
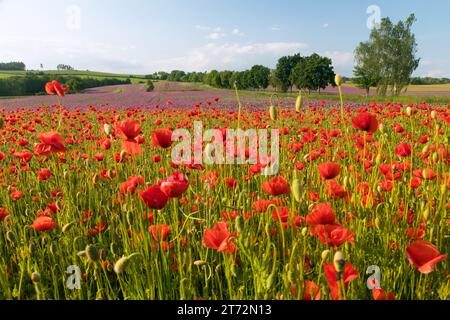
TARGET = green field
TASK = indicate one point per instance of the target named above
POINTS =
(78, 73)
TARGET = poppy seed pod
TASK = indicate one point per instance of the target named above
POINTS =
(107, 128)
(339, 262)
(338, 80)
(299, 102)
(92, 253)
(297, 190)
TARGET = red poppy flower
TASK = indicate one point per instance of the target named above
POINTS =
(322, 214)
(379, 294)
(130, 129)
(43, 223)
(366, 122)
(329, 170)
(262, 205)
(424, 255)
(333, 235)
(162, 138)
(175, 185)
(231, 183)
(54, 87)
(335, 190)
(311, 291)
(154, 198)
(218, 238)
(349, 274)
(50, 142)
(276, 186)
(3, 213)
(403, 150)
(159, 232)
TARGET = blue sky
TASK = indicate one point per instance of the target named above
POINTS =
(137, 36)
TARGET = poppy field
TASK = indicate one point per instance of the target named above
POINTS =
(358, 209)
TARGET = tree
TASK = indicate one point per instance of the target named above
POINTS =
(367, 71)
(260, 76)
(150, 86)
(313, 73)
(12, 66)
(225, 77)
(64, 67)
(389, 56)
(282, 74)
(176, 75)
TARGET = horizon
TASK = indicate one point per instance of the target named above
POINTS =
(122, 39)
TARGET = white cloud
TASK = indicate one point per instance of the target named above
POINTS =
(275, 27)
(216, 36)
(229, 56)
(237, 32)
(325, 25)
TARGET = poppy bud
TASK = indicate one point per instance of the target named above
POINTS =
(443, 188)
(52, 249)
(304, 231)
(426, 214)
(381, 127)
(325, 254)
(299, 102)
(107, 128)
(2, 123)
(67, 227)
(433, 114)
(239, 223)
(121, 265)
(379, 189)
(199, 263)
(378, 159)
(338, 80)
(297, 190)
(377, 222)
(425, 149)
(218, 268)
(35, 277)
(114, 247)
(435, 157)
(273, 113)
(92, 253)
(11, 237)
(408, 111)
(339, 262)
(345, 182)
(122, 154)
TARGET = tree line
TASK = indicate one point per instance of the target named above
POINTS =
(12, 66)
(31, 84)
(312, 72)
